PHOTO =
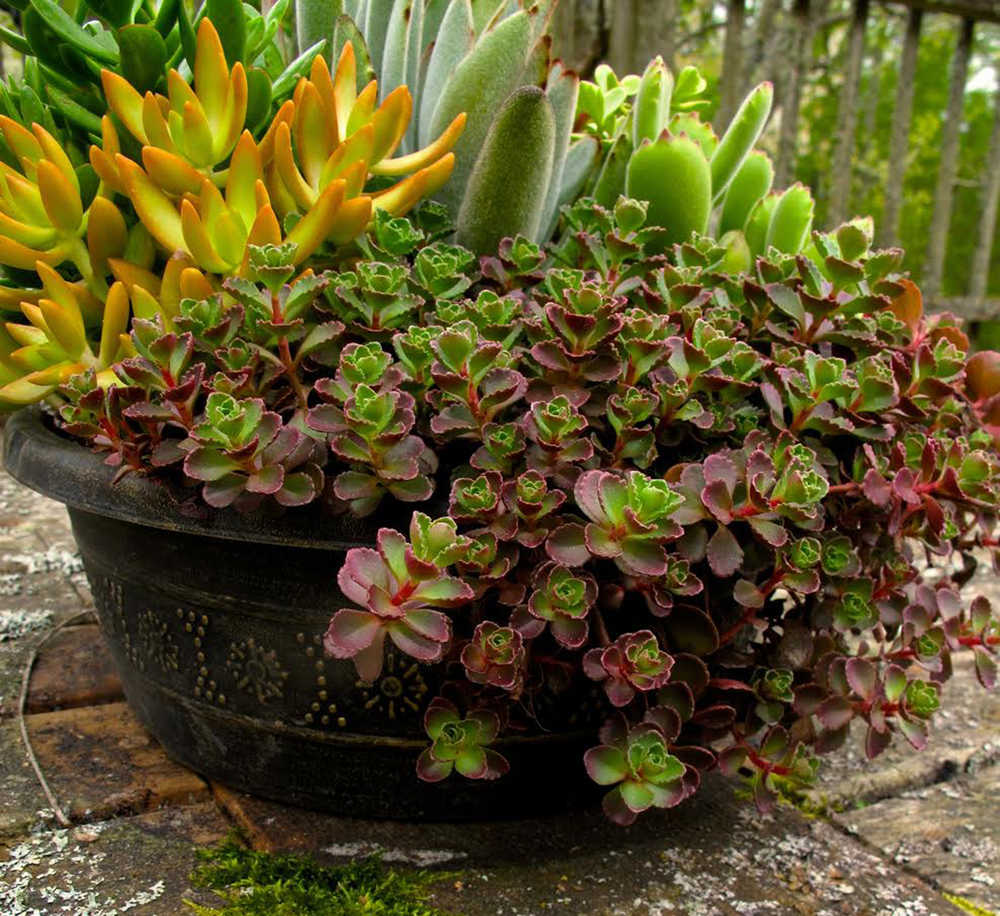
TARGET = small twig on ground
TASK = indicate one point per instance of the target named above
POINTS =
(82, 616)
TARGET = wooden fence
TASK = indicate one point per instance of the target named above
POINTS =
(773, 39)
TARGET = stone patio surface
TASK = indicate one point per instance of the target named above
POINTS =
(908, 835)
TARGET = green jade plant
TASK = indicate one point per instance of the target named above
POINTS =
(703, 486)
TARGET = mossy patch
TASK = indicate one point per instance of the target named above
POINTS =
(263, 884)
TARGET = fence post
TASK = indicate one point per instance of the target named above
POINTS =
(759, 59)
(637, 31)
(800, 35)
(578, 33)
(732, 63)
(944, 192)
(847, 117)
(902, 116)
(988, 218)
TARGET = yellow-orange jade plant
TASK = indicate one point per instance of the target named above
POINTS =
(204, 192)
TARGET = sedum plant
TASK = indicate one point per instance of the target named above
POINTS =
(721, 506)
(737, 507)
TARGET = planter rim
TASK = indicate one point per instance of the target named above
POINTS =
(61, 468)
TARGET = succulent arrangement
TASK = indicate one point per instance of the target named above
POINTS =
(716, 469)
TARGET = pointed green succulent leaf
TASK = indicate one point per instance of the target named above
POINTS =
(750, 184)
(740, 137)
(791, 220)
(651, 109)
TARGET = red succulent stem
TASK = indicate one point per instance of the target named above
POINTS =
(285, 354)
(406, 589)
(751, 612)
(801, 419)
(601, 627)
(762, 764)
(967, 641)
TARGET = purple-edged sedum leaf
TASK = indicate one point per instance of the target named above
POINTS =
(400, 593)
(460, 744)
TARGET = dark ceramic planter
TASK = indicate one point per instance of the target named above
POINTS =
(215, 623)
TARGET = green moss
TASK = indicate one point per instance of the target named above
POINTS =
(254, 884)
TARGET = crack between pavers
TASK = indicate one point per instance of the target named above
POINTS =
(915, 773)
(239, 821)
(931, 882)
(965, 762)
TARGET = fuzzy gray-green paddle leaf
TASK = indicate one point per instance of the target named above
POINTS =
(375, 27)
(581, 157)
(562, 88)
(506, 192)
(610, 182)
(455, 39)
(481, 83)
